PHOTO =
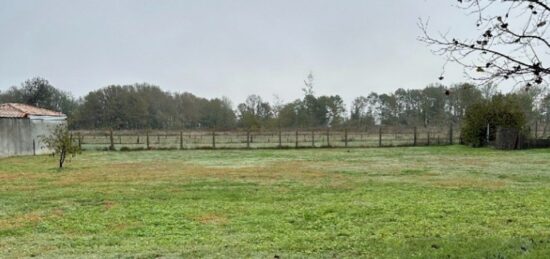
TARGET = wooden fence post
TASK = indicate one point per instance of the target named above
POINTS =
(181, 140)
(380, 137)
(428, 137)
(147, 139)
(112, 146)
(328, 137)
(33, 148)
(280, 139)
(346, 137)
(214, 139)
(451, 134)
(79, 141)
(296, 139)
(414, 138)
(488, 134)
(248, 139)
(536, 129)
(313, 138)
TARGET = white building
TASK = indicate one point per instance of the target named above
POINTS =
(21, 128)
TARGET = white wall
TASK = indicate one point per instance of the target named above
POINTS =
(17, 135)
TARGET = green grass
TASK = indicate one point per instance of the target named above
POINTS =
(390, 202)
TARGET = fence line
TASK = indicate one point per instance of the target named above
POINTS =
(301, 138)
(538, 130)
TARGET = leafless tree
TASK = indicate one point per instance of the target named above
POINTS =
(511, 42)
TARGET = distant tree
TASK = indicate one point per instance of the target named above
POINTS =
(511, 42)
(360, 114)
(116, 107)
(333, 110)
(160, 106)
(61, 143)
(433, 105)
(544, 111)
(218, 114)
(530, 103)
(322, 111)
(410, 103)
(388, 109)
(488, 91)
(189, 109)
(276, 108)
(288, 115)
(374, 106)
(145, 106)
(254, 112)
(309, 114)
(460, 98)
(40, 93)
(308, 89)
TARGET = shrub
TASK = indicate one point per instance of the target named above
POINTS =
(501, 111)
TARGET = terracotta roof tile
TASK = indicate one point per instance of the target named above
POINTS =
(19, 110)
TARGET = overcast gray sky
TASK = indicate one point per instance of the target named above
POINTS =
(231, 48)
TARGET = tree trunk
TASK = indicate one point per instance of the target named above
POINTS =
(62, 158)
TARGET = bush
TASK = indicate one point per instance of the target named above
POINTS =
(502, 111)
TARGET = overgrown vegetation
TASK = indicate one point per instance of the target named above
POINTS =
(484, 118)
(402, 202)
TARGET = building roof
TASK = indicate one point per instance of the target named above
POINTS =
(19, 110)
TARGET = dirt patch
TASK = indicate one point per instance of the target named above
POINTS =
(213, 219)
(108, 204)
(138, 173)
(20, 220)
(120, 227)
(58, 213)
(470, 183)
(6, 176)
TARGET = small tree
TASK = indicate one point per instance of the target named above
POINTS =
(61, 143)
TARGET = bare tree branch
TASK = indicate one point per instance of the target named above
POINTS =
(512, 43)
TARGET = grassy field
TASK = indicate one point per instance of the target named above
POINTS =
(390, 202)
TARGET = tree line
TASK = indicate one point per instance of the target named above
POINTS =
(146, 106)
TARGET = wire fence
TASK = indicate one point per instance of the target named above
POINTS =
(538, 130)
(301, 138)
